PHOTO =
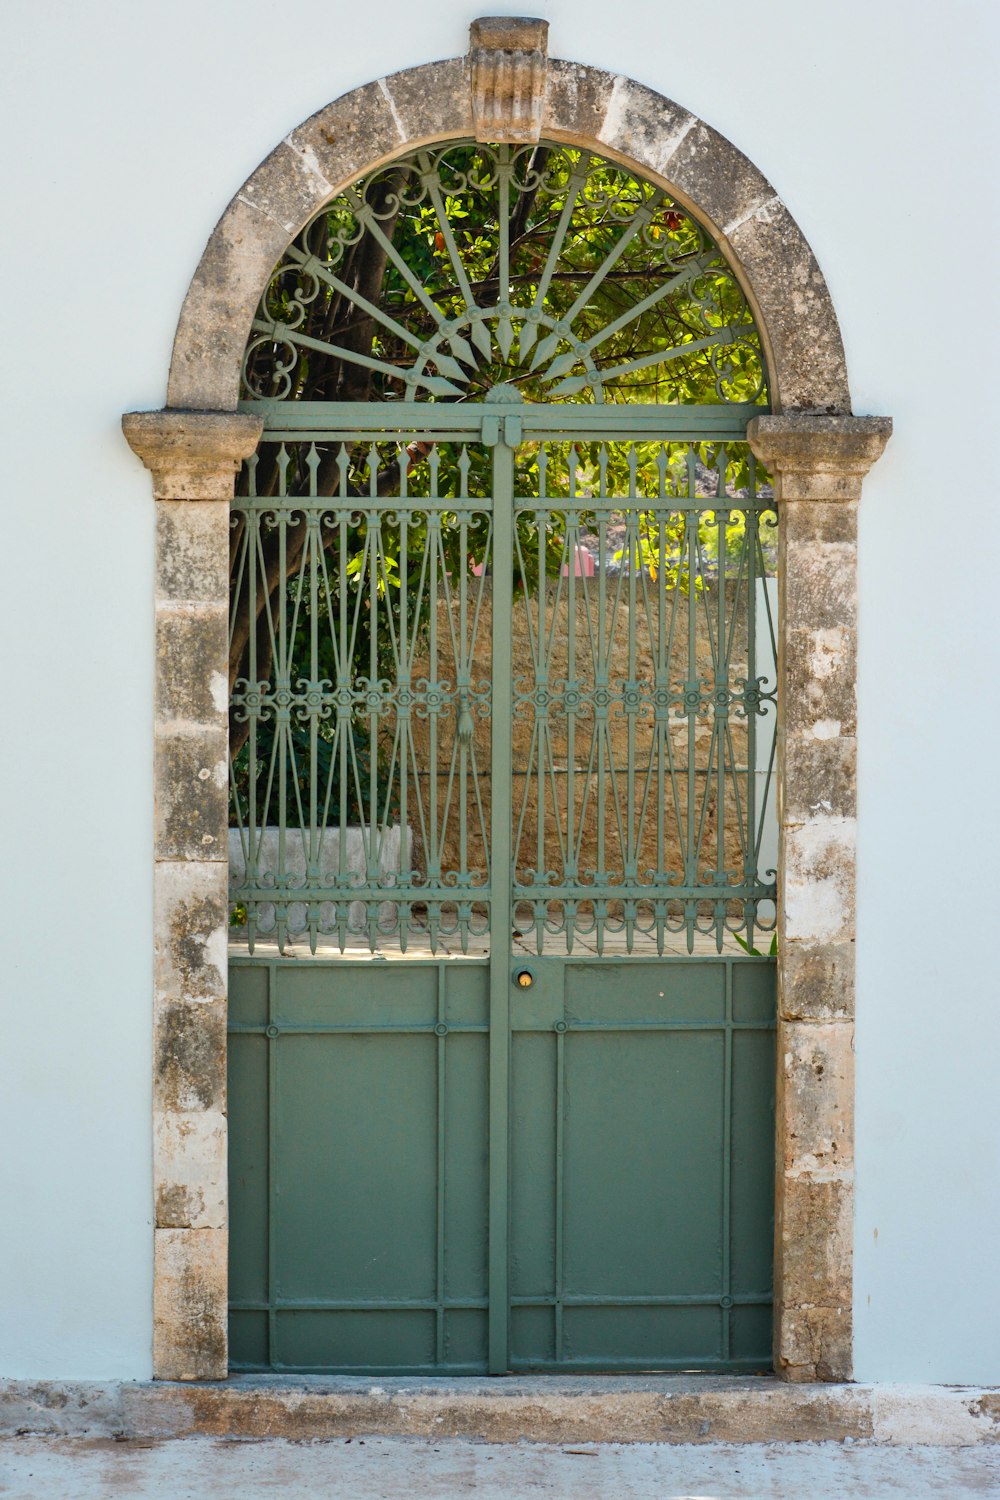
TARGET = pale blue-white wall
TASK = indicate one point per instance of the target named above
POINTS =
(128, 128)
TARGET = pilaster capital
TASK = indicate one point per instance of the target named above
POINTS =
(192, 455)
(815, 457)
(507, 59)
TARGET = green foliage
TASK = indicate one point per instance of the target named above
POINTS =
(772, 951)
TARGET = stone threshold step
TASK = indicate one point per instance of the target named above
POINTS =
(542, 1409)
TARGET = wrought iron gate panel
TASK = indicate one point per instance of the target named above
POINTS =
(636, 723)
(369, 643)
(500, 764)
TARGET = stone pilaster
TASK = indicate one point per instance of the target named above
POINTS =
(193, 457)
(818, 464)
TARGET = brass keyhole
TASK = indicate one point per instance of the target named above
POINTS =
(525, 978)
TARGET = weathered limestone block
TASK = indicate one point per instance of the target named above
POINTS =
(819, 679)
(722, 185)
(816, 981)
(817, 881)
(818, 1095)
(805, 351)
(819, 578)
(347, 137)
(815, 1343)
(190, 916)
(288, 188)
(813, 456)
(813, 523)
(192, 552)
(433, 102)
(189, 1304)
(191, 643)
(215, 320)
(576, 100)
(191, 792)
(820, 774)
(189, 1057)
(190, 1152)
(814, 1278)
(507, 56)
(642, 126)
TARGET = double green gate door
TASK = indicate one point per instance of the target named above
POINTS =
(501, 1079)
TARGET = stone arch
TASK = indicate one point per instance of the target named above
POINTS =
(818, 454)
(581, 106)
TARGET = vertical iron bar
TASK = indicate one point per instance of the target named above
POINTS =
(404, 665)
(630, 853)
(281, 725)
(722, 677)
(571, 869)
(345, 682)
(373, 838)
(663, 685)
(314, 866)
(464, 726)
(433, 853)
(541, 680)
(691, 518)
(500, 911)
(751, 542)
(600, 688)
(253, 541)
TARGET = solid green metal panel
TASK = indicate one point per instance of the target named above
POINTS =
(558, 1154)
(359, 1222)
(635, 1243)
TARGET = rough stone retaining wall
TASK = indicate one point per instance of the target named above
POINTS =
(557, 621)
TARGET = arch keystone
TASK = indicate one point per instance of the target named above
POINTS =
(507, 58)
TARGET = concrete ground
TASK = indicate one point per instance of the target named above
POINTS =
(379, 1468)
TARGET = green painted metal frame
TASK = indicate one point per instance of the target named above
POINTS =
(501, 424)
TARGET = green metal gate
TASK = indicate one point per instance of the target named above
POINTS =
(501, 1039)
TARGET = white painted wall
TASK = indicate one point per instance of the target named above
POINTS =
(129, 127)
